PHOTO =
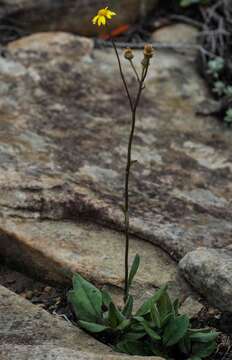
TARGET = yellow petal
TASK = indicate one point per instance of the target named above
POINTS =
(99, 20)
(103, 20)
(111, 13)
(94, 20)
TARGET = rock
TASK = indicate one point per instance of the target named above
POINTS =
(29, 333)
(23, 323)
(191, 307)
(176, 34)
(53, 251)
(69, 15)
(182, 37)
(210, 273)
(48, 352)
(59, 96)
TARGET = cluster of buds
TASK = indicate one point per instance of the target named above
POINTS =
(148, 53)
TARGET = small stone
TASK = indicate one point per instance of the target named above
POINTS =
(176, 34)
(48, 289)
(29, 294)
(210, 273)
(191, 307)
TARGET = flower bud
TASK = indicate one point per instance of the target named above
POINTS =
(128, 54)
(148, 51)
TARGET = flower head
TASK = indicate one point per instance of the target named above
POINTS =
(148, 51)
(102, 16)
(128, 54)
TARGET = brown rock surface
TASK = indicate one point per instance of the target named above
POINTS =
(70, 15)
(63, 138)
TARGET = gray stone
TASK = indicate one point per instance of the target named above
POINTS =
(23, 323)
(210, 273)
(28, 332)
(70, 15)
(49, 352)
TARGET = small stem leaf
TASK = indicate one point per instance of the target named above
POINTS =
(134, 269)
(92, 327)
(175, 330)
(127, 311)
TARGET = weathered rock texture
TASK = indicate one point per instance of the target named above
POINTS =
(70, 15)
(56, 250)
(63, 139)
(23, 323)
(29, 333)
(64, 131)
(210, 272)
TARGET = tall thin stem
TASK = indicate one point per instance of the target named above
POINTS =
(133, 106)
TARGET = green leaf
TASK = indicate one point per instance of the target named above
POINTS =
(135, 335)
(124, 324)
(86, 300)
(130, 347)
(146, 307)
(127, 311)
(176, 306)
(204, 337)
(115, 317)
(134, 269)
(203, 350)
(185, 344)
(175, 330)
(153, 335)
(106, 298)
(92, 327)
(165, 307)
(155, 316)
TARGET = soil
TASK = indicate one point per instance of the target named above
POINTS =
(54, 300)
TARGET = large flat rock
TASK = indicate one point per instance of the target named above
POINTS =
(28, 332)
(54, 250)
(63, 137)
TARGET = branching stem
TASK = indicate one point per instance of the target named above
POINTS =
(133, 106)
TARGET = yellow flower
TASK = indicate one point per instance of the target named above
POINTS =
(102, 16)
